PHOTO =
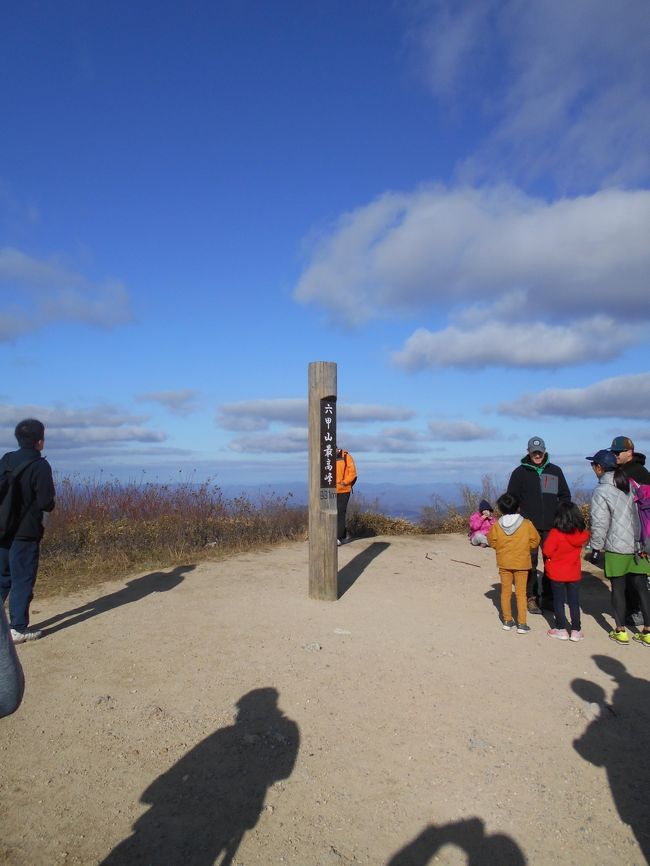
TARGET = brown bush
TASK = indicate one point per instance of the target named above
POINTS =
(102, 530)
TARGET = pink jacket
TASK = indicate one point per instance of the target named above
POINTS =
(478, 523)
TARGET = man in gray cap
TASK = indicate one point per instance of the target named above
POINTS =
(540, 486)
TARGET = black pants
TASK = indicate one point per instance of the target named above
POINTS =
(538, 586)
(566, 593)
(639, 584)
(342, 500)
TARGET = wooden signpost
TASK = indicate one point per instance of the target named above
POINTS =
(323, 559)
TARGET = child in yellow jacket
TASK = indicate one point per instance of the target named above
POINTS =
(513, 537)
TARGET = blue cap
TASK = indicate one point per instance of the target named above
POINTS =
(604, 458)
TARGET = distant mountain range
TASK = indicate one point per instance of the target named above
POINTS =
(394, 500)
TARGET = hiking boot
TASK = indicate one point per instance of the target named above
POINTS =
(508, 624)
(522, 628)
(533, 606)
(621, 637)
(24, 636)
(643, 638)
(559, 633)
(576, 635)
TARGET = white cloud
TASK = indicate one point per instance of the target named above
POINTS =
(295, 440)
(367, 412)
(443, 247)
(564, 86)
(567, 272)
(290, 441)
(74, 428)
(460, 431)
(260, 414)
(619, 397)
(181, 402)
(253, 415)
(41, 292)
(529, 345)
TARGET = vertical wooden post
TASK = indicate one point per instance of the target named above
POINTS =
(323, 559)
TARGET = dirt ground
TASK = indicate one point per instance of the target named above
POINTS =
(216, 714)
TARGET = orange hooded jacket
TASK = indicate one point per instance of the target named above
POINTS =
(346, 472)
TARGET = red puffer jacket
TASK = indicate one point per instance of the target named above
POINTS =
(562, 555)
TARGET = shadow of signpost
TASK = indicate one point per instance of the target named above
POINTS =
(469, 835)
(200, 809)
(355, 568)
(618, 739)
(135, 590)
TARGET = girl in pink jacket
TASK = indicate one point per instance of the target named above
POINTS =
(480, 522)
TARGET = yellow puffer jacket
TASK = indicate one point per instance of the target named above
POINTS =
(513, 547)
(346, 472)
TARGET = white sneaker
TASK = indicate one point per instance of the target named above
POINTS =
(27, 635)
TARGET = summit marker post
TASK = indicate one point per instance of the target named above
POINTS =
(323, 558)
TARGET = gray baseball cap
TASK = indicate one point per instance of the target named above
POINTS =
(536, 444)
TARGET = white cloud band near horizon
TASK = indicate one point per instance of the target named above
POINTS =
(258, 415)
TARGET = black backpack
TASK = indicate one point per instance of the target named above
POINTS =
(11, 510)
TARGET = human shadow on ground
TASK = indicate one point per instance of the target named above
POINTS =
(202, 806)
(468, 835)
(494, 595)
(618, 739)
(355, 567)
(135, 590)
(596, 600)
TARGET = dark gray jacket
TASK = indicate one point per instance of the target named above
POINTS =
(37, 490)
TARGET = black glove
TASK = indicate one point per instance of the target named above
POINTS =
(594, 556)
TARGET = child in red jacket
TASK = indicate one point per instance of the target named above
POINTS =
(562, 550)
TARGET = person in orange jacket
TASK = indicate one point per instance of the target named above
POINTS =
(346, 478)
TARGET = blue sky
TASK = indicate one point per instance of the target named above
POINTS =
(450, 200)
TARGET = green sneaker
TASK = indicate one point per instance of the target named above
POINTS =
(620, 636)
(643, 638)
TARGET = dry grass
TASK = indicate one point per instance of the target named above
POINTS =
(104, 530)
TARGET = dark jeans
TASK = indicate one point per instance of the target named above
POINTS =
(637, 583)
(538, 585)
(566, 593)
(342, 500)
(18, 567)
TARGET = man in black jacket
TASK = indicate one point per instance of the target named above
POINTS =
(540, 486)
(630, 461)
(19, 554)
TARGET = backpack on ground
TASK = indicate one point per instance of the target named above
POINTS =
(11, 504)
(641, 493)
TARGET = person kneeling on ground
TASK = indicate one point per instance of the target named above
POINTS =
(480, 522)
